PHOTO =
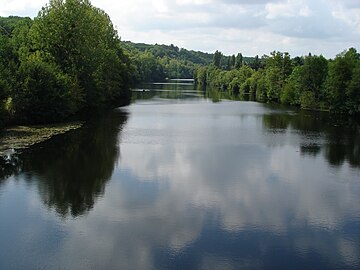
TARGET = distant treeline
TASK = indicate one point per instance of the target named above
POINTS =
(310, 82)
(158, 62)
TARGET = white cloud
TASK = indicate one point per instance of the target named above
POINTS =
(22, 7)
(201, 24)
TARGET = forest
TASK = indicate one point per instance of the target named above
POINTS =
(55, 65)
(310, 82)
(70, 59)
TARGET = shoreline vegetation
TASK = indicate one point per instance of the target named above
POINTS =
(69, 60)
(308, 82)
(21, 137)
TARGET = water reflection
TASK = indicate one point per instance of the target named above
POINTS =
(199, 186)
(246, 195)
(71, 170)
(336, 138)
(171, 90)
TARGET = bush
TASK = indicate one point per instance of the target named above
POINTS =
(44, 93)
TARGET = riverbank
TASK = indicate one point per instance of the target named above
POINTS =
(21, 137)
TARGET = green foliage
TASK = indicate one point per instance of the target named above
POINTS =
(217, 59)
(278, 69)
(313, 75)
(147, 67)
(239, 78)
(239, 61)
(44, 93)
(353, 91)
(164, 61)
(81, 40)
(341, 86)
(11, 30)
(68, 59)
(200, 75)
(310, 82)
(308, 100)
(258, 86)
(274, 83)
(172, 52)
(292, 90)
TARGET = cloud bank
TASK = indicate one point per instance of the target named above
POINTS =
(252, 27)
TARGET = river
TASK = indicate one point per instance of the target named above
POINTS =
(181, 180)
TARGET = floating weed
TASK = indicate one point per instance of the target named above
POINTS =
(20, 137)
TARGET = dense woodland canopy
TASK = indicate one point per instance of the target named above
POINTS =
(310, 82)
(70, 59)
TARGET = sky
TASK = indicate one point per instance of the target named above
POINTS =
(252, 27)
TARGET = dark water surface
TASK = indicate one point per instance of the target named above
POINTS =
(175, 181)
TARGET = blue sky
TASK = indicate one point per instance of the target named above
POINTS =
(249, 26)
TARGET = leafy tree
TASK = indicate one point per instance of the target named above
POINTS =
(217, 59)
(242, 75)
(340, 86)
(148, 67)
(81, 40)
(282, 62)
(233, 61)
(200, 75)
(274, 83)
(292, 90)
(13, 31)
(239, 61)
(314, 73)
(297, 61)
(44, 93)
(353, 91)
(256, 63)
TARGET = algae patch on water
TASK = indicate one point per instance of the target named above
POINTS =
(21, 137)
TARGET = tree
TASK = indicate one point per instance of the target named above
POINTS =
(340, 85)
(314, 73)
(353, 91)
(256, 64)
(278, 68)
(81, 40)
(292, 90)
(44, 93)
(217, 59)
(274, 83)
(239, 61)
(233, 61)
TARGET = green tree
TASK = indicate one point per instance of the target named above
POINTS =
(353, 91)
(292, 90)
(44, 93)
(340, 85)
(278, 68)
(233, 61)
(81, 40)
(239, 61)
(314, 73)
(200, 75)
(256, 63)
(217, 59)
(274, 83)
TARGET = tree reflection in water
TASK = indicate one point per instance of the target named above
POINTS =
(338, 139)
(71, 170)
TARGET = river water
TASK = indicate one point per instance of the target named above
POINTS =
(183, 180)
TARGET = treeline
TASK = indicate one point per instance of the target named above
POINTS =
(310, 82)
(68, 59)
(158, 62)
